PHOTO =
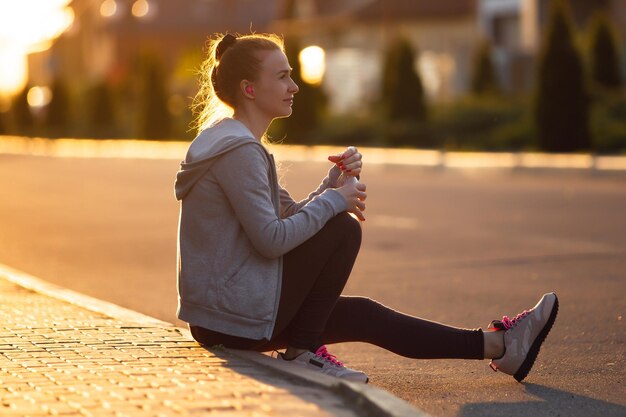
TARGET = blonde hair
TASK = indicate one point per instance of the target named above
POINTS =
(230, 59)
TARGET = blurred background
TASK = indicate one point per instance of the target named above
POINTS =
(506, 75)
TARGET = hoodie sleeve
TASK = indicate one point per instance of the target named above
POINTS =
(243, 175)
(288, 206)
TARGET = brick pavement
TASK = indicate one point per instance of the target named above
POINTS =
(60, 359)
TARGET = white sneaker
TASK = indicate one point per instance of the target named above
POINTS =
(324, 362)
(524, 335)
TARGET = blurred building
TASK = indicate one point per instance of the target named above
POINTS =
(108, 35)
(515, 28)
(356, 33)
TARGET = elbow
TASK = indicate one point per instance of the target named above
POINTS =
(269, 252)
(268, 249)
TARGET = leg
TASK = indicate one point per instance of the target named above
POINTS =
(360, 319)
(314, 275)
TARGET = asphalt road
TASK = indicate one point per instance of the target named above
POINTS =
(456, 246)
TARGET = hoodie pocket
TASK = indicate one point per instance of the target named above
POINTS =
(249, 292)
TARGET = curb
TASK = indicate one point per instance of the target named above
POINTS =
(89, 303)
(368, 400)
(176, 150)
(371, 401)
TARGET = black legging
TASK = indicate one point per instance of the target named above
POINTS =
(312, 312)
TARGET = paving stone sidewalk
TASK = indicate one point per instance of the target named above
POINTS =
(60, 359)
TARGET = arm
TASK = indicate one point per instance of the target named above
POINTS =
(243, 175)
(348, 162)
(288, 206)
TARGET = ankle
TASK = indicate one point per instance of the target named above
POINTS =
(293, 352)
(493, 344)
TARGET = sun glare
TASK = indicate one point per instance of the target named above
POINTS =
(28, 26)
(312, 62)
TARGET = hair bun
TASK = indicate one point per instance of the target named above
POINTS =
(227, 41)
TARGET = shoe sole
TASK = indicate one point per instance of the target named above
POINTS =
(524, 369)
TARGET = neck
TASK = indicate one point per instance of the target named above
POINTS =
(256, 123)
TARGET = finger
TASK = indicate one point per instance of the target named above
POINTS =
(353, 172)
(361, 205)
(358, 214)
(353, 165)
(361, 186)
(361, 196)
(355, 158)
(334, 158)
(350, 150)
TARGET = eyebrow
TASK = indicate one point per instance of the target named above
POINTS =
(284, 71)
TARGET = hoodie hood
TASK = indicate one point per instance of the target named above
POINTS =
(211, 143)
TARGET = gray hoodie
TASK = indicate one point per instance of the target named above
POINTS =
(236, 222)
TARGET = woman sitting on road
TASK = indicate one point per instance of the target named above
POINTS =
(260, 271)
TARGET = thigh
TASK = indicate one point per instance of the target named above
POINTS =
(303, 265)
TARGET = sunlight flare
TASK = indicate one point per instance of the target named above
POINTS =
(26, 27)
(313, 64)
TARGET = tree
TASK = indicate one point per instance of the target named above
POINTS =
(57, 118)
(605, 59)
(101, 110)
(562, 105)
(24, 120)
(3, 126)
(154, 118)
(483, 79)
(402, 92)
(309, 104)
(403, 104)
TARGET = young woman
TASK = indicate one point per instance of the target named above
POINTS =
(258, 270)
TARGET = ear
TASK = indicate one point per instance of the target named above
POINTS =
(247, 89)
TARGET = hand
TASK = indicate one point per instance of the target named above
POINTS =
(354, 194)
(350, 161)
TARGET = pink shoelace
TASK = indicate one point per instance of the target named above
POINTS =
(324, 354)
(508, 323)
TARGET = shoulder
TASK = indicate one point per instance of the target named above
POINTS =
(248, 153)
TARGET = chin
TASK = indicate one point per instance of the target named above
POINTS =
(285, 115)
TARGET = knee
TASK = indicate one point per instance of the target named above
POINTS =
(345, 225)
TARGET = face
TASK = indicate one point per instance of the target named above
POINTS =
(274, 89)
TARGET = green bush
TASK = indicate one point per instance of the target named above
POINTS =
(608, 124)
(515, 136)
(483, 124)
(489, 123)
(347, 130)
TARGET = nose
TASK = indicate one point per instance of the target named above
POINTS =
(293, 88)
